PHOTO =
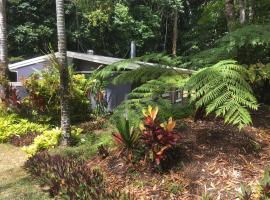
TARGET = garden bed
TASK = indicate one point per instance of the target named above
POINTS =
(213, 158)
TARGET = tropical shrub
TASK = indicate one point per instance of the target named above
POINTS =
(259, 77)
(10, 100)
(158, 137)
(44, 99)
(69, 178)
(13, 125)
(50, 139)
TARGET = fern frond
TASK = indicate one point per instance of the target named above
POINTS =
(224, 90)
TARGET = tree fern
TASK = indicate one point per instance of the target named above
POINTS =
(224, 90)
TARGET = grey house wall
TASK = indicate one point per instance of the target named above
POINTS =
(115, 94)
(27, 71)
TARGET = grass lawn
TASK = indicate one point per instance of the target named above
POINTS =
(15, 183)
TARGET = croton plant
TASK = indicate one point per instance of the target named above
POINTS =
(158, 136)
(155, 136)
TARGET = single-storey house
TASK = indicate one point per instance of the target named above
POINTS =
(83, 63)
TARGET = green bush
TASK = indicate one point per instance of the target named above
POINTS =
(12, 124)
(43, 101)
(50, 139)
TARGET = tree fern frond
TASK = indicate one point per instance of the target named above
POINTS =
(224, 90)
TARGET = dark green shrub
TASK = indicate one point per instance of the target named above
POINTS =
(68, 178)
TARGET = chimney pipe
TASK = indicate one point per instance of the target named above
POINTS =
(90, 52)
(132, 49)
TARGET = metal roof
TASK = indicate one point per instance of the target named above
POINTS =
(81, 56)
(91, 58)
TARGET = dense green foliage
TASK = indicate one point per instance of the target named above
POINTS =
(248, 45)
(44, 99)
(109, 26)
(12, 124)
(223, 89)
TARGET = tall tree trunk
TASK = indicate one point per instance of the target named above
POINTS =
(166, 34)
(64, 75)
(3, 49)
(175, 33)
(242, 11)
(229, 7)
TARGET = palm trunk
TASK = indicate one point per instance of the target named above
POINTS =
(3, 40)
(229, 6)
(64, 75)
(175, 33)
(242, 11)
(3, 49)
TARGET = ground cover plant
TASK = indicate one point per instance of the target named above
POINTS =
(12, 125)
(68, 178)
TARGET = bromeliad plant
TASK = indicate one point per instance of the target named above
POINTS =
(127, 136)
(158, 137)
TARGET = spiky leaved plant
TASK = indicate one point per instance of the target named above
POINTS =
(126, 137)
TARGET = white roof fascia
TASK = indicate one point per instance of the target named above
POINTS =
(93, 58)
(29, 62)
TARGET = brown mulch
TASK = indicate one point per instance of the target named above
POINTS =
(215, 158)
(23, 140)
(92, 125)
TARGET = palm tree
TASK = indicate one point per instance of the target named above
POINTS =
(64, 74)
(3, 47)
